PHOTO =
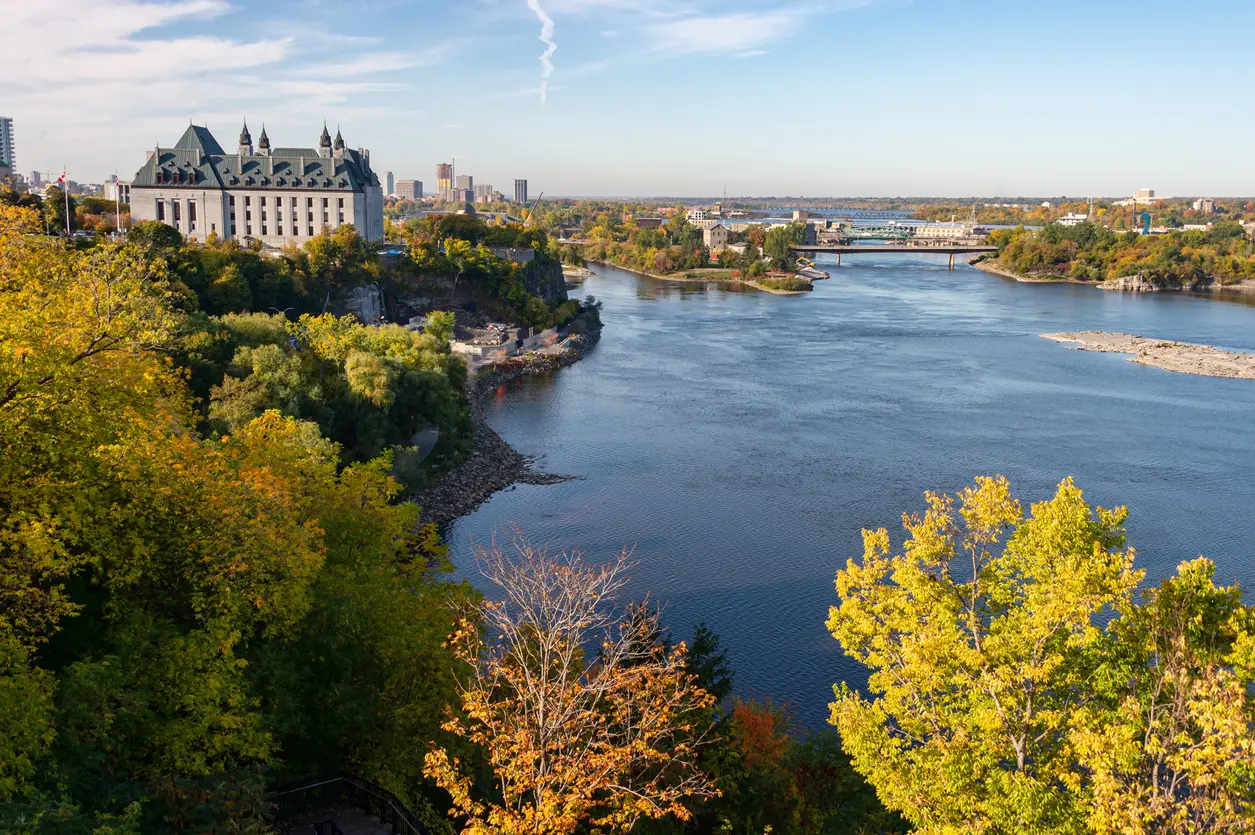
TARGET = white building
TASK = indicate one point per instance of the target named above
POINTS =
(944, 231)
(1206, 205)
(273, 195)
(119, 190)
(1142, 197)
(695, 214)
(1072, 219)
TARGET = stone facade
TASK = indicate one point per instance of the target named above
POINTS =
(276, 196)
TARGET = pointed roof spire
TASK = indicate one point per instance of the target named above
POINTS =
(339, 146)
(324, 141)
(245, 139)
(263, 141)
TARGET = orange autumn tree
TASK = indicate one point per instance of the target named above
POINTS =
(583, 715)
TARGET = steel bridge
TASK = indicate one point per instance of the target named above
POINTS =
(933, 249)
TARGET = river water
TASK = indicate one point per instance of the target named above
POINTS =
(740, 441)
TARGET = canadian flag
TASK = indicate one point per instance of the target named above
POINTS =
(61, 179)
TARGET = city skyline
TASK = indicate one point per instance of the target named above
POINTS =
(827, 98)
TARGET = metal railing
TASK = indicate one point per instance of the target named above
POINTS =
(347, 790)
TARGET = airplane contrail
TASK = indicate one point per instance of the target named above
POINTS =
(546, 57)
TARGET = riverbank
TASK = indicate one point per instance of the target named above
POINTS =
(697, 277)
(493, 464)
(1129, 284)
(989, 266)
(1181, 357)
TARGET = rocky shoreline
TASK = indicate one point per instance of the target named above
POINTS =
(1181, 357)
(493, 464)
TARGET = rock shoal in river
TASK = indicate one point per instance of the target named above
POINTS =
(1182, 357)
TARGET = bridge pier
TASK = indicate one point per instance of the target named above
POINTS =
(952, 260)
(838, 259)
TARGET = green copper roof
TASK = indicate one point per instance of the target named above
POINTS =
(198, 161)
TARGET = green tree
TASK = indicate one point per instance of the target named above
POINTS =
(980, 656)
(779, 244)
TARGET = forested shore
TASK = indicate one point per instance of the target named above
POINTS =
(212, 584)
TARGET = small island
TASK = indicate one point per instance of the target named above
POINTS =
(1182, 357)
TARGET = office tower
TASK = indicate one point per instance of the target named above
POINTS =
(444, 177)
(410, 189)
(7, 155)
(520, 191)
(389, 183)
(464, 182)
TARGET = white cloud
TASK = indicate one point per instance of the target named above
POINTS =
(115, 71)
(736, 33)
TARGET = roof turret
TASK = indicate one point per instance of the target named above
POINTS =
(245, 139)
(339, 146)
(324, 141)
(264, 141)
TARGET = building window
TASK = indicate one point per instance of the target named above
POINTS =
(340, 204)
(248, 229)
(231, 200)
(248, 214)
(248, 200)
(174, 212)
(311, 231)
(263, 230)
(161, 211)
(191, 213)
(309, 203)
(324, 202)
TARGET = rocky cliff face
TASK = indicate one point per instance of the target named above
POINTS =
(1141, 284)
(544, 280)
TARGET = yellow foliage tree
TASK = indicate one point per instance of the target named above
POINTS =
(571, 739)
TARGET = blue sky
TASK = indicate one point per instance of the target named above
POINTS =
(661, 97)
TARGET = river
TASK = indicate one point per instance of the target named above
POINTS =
(739, 441)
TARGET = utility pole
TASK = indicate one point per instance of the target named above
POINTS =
(65, 189)
(117, 204)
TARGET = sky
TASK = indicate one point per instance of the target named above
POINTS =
(660, 97)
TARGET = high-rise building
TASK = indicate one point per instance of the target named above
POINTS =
(483, 193)
(273, 195)
(410, 189)
(7, 154)
(464, 182)
(520, 191)
(36, 179)
(389, 183)
(444, 177)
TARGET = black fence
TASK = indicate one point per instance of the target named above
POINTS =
(305, 800)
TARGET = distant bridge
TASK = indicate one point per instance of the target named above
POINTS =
(840, 250)
(843, 249)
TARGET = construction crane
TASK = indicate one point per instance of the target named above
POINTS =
(531, 213)
(1145, 223)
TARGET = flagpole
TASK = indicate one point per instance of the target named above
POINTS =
(65, 189)
(117, 204)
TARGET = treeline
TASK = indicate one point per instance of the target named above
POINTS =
(191, 614)
(1090, 252)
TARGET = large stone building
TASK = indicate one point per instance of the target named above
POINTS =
(273, 195)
